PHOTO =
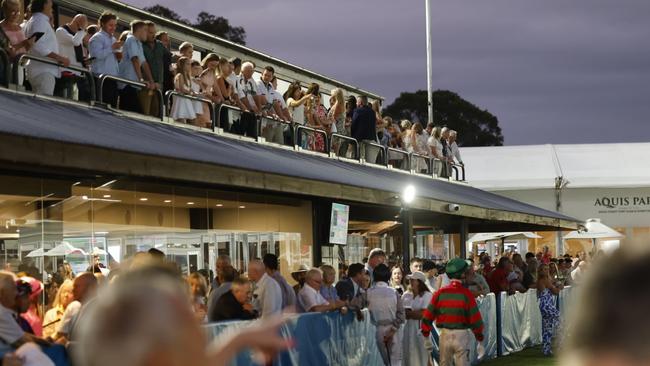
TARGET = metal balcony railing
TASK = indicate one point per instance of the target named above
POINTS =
(104, 77)
(89, 76)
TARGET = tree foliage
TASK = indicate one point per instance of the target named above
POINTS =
(475, 126)
(209, 23)
(166, 12)
(220, 27)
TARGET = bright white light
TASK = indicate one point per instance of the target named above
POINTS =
(190, 203)
(242, 206)
(168, 201)
(84, 197)
(219, 204)
(144, 199)
(107, 196)
(409, 194)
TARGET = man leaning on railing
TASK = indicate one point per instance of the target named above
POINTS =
(154, 53)
(41, 76)
(135, 67)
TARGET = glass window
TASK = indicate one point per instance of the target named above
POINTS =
(98, 223)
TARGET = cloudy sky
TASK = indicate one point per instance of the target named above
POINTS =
(552, 71)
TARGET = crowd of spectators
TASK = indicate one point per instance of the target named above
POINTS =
(56, 316)
(144, 55)
(513, 273)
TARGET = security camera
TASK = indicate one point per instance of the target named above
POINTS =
(452, 207)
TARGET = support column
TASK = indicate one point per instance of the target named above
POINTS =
(321, 211)
(464, 228)
(407, 236)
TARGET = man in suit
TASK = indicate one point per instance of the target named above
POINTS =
(363, 128)
(234, 303)
(350, 289)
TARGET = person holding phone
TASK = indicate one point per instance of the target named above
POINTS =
(12, 37)
(103, 48)
(42, 76)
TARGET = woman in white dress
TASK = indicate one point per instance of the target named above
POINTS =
(202, 119)
(436, 150)
(417, 143)
(182, 108)
(417, 348)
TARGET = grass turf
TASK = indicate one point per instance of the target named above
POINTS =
(527, 357)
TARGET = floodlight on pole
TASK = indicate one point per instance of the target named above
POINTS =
(427, 13)
(409, 194)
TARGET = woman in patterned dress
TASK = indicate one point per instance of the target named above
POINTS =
(547, 306)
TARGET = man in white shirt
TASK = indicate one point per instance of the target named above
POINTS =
(248, 89)
(272, 131)
(453, 146)
(309, 298)
(265, 90)
(267, 294)
(41, 76)
(249, 95)
(70, 37)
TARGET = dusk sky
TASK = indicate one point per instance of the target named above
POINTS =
(552, 71)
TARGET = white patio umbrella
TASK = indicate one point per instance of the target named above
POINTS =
(36, 253)
(64, 248)
(594, 230)
(515, 235)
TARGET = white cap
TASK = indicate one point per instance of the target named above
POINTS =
(417, 275)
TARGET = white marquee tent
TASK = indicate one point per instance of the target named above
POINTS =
(538, 166)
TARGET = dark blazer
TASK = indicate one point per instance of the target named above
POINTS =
(363, 124)
(228, 308)
(345, 289)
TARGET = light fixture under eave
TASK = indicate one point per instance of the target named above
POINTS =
(408, 195)
(190, 203)
(84, 197)
(167, 201)
(242, 206)
(219, 204)
(143, 199)
(107, 196)
(107, 184)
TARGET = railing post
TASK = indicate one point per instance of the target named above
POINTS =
(100, 90)
(499, 303)
(8, 66)
(45, 60)
(93, 90)
(161, 104)
(216, 112)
